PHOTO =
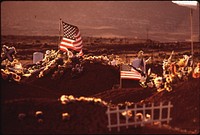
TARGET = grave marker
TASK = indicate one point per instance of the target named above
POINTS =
(37, 56)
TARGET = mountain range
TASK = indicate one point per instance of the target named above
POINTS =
(156, 20)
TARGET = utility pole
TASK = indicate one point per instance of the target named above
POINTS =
(147, 30)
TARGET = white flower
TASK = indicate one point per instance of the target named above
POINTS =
(127, 113)
(21, 116)
(65, 116)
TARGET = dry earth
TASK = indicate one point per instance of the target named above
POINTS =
(97, 80)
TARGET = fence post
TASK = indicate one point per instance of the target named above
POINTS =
(118, 120)
(143, 120)
(109, 121)
(143, 109)
(126, 116)
(135, 109)
(152, 113)
(168, 113)
(160, 116)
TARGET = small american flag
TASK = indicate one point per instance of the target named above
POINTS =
(71, 39)
(128, 72)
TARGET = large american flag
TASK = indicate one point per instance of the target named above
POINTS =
(128, 72)
(71, 38)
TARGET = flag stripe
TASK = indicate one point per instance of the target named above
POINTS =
(133, 74)
(71, 39)
(71, 47)
(77, 44)
(81, 53)
(67, 46)
(63, 48)
(74, 45)
(67, 42)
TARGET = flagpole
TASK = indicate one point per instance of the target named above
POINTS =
(192, 5)
(120, 79)
(59, 37)
(192, 49)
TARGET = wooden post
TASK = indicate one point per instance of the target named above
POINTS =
(135, 109)
(126, 116)
(168, 112)
(118, 120)
(120, 79)
(143, 120)
(160, 113)
(152, 113)
(109, 122)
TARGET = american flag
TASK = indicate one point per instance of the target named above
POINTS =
(71, 39)
(128, 72)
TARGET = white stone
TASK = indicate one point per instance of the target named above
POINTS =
(37, 56)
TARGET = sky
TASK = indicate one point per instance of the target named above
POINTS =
(164, 21)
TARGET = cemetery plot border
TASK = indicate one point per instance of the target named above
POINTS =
(138, 115)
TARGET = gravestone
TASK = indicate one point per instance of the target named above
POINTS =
(139, 63)
(136, 62)
(37, 56)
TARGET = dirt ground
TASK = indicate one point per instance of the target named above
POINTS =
(90, 117)
(97, 80)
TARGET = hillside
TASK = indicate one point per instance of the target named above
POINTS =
(165, 20)
(42, 94)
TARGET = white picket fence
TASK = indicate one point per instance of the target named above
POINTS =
(158, 114)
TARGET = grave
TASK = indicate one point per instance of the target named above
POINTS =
(37, 56)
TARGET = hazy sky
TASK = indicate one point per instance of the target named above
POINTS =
(164, 20)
